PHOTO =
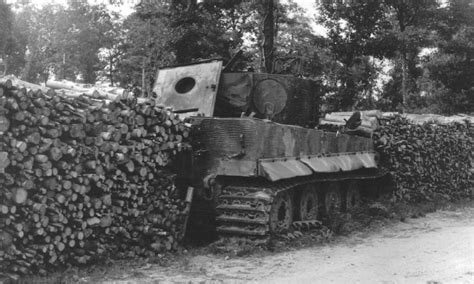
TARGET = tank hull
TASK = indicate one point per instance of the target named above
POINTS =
(249, 166)
(257, 159)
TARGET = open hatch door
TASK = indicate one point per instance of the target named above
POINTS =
(188, 87)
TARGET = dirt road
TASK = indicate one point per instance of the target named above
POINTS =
(438, 248)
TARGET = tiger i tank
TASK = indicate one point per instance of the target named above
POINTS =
(259, 161)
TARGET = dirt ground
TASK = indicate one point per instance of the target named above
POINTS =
(437, 248)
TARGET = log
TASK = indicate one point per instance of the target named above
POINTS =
(4, 124)
(19, 195)
(368, 122)
(10, 81)
(367, 113)
(4, 161)
(71, 89)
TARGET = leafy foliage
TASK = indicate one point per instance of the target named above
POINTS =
(355, 33)
(89, 42)
(451, 69)
(64, 41)
(298, 50)
(164, 32)
(400, 31)
(8, 45)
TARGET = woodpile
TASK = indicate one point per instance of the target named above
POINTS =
(426, 154)
(434, 118)
(371, 120)
(81, 179)
(73, 90)
(427, 160)
(84, 89)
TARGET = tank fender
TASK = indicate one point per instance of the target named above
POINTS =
(283, 168)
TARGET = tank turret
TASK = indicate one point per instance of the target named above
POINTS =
(280, 98)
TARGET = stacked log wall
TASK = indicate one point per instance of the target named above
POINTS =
(82, 179)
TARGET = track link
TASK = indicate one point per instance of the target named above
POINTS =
(244, 205)
(244, 210)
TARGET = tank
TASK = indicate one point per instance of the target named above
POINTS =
(259, 159)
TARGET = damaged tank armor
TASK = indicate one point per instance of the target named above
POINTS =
(260, 176)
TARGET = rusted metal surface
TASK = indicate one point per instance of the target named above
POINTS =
(187, 87)
(270, 97)
(230, 167)
(222, 137)
(245, 204)
(282, 169)
(235, 145)
(291, 100)
(340, 162)
(264, 139)
(235, 90)
(306, 225)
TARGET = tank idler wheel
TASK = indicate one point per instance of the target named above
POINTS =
(309, 204)
(352, 199)
(281, 214)
(332, 198)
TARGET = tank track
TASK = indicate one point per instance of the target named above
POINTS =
(244, 204)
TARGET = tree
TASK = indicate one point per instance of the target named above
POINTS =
(298, 50)
(396, 30)
(355, 35)
(167, 32)
(268, 35)
(6, 36)
(38, 29)
(146, 45)
(411, 23)
(63, 40)
(89, 27)
(113, 50)
(447, 81)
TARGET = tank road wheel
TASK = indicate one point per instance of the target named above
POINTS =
(332, 198)
(281, 214)
(309, 204)
(352, 197)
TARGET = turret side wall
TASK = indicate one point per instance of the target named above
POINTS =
(295, 101)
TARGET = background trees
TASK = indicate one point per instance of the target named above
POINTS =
(427, 45)
(396, 55)
(59, 40)
(7, 44)
(355, 36)
(447, 82)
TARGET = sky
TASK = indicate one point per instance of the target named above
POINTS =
(310, 7)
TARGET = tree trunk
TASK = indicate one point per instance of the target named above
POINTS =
(62, 75)
(111, 73)
(26, 72)
(404, 80)
(268, 36)
(143, 78)
(401, 16)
